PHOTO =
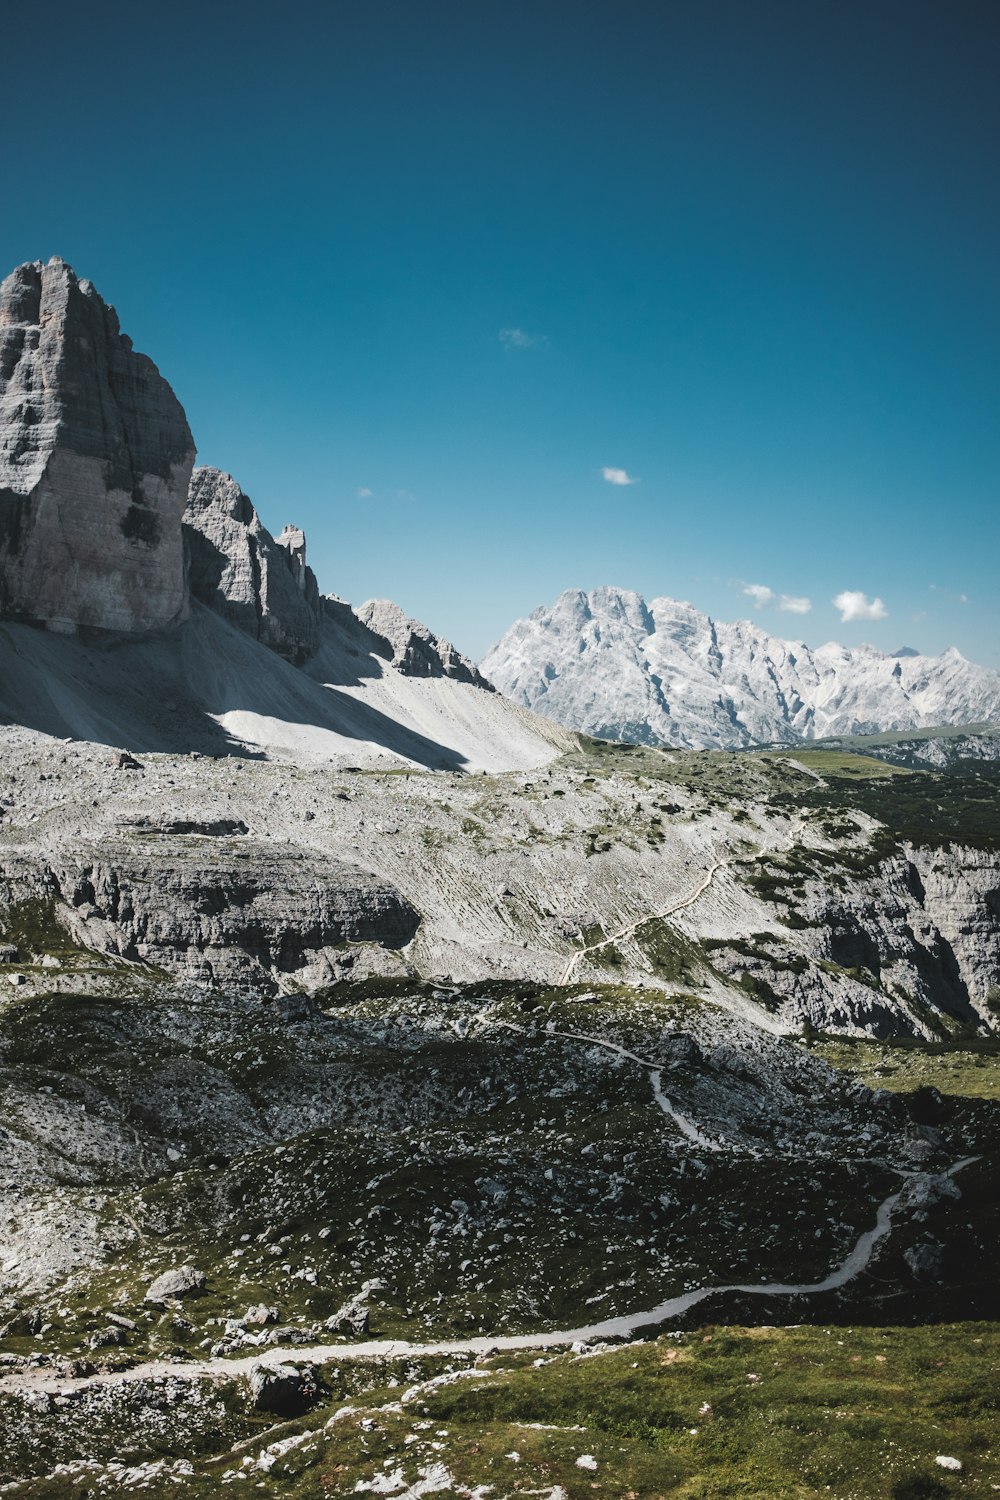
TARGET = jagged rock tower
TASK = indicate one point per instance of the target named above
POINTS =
(262, 585)
(95, 459)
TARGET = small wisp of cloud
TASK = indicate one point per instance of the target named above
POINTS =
(937, 588)
(363, 493)
(519, 338)
(763, 597)
(854, 605)
(618, 476)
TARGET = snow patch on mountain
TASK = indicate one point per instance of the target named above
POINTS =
(664, 673)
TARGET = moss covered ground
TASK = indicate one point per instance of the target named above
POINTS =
(852, 1413)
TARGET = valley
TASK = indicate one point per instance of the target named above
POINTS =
(592, 1083)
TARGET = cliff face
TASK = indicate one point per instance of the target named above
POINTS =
(95, 458)
(245, 915)
(260, 585)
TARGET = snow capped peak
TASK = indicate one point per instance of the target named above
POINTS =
(614, 666)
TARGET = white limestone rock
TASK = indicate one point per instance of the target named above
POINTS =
(181, 1281)
(260, 584)
(666, 674)
(415, 650)
(95, 457)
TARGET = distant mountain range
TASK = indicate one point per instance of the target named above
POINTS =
(663, 673)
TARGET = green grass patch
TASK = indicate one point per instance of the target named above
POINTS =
(968, 1069)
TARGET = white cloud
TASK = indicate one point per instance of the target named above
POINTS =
(795, 604)
(761, 595)
(854, 605)
(363, 493)
(618, 476)
(518, 338)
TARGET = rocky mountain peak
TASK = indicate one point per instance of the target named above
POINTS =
(610, 664)
(95, 457)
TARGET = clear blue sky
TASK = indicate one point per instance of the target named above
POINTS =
(746, 252)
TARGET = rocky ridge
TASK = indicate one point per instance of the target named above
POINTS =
(416, 651)
(664, 673)
(261, 585)
(104, 526)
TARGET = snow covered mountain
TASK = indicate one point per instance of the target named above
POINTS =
(610, 664)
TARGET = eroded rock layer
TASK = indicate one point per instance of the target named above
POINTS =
(227, 910)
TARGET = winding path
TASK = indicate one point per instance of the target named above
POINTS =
(684, 1125)
(685, 901)
(630, 927)
(620, 1327)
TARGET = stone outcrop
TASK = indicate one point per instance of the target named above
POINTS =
(416, 651)
(283, 1390)
(261, 585)
(247, 915)
(95, 457)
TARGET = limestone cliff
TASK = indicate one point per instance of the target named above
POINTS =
(261, 585)
(95, 457)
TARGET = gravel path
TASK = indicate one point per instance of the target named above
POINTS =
(851, 1267)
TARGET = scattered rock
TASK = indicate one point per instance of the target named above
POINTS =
(29, 1322)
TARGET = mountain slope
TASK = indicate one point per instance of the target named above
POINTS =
(610, 664)
(208, 687)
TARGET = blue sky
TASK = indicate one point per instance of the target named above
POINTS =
(421, 272)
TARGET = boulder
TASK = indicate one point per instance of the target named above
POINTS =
(683, 1051)
(260, 1314)
(108, 1338)
(182, 1281)
(352, 1318)
(262, 586)
(283, 1390)
(926, 1261)
(95, 458)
